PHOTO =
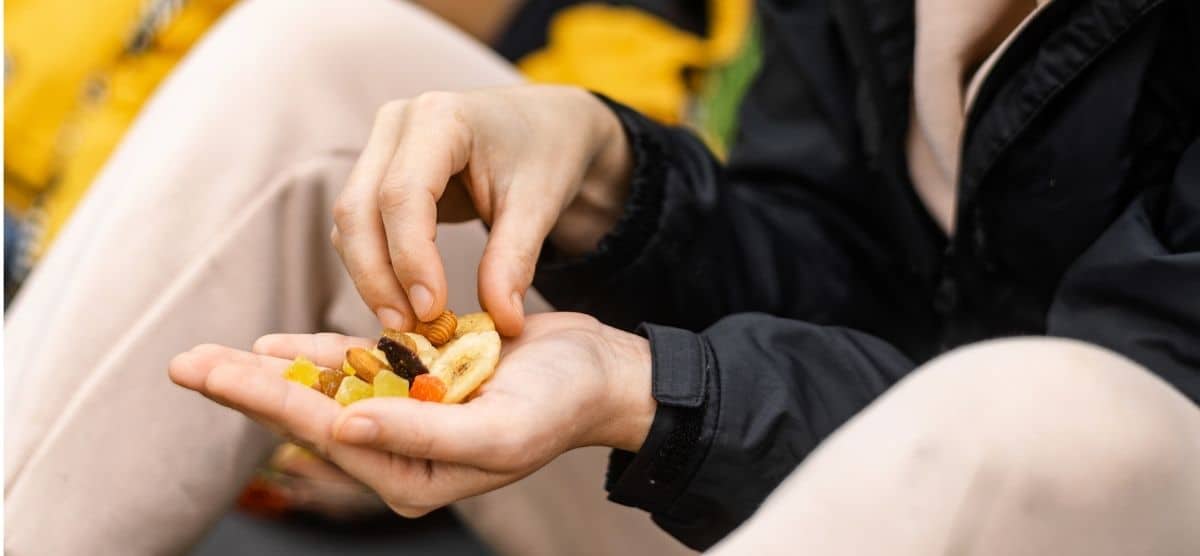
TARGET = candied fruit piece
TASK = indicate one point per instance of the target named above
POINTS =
(328, 381)
(404, 361)
(347, 368)
(303, 371)
(352, 390)
(428, 388)
(389, 384)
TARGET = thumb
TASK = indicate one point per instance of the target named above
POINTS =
(458, 433)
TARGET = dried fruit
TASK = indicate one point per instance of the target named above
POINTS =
(303, 371)
(425, 350)
(366, 364)
(474, 322)
(439, 330)
(466, 363)
(428, 388)
(346, 368)
(328, 381)
(403, 360)
(389, 384)
(353, 389)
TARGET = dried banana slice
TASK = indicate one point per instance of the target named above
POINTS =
(467, 362)
(474, 322)
(425, 349)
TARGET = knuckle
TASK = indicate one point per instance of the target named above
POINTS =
(390, 111)
(343, 212)
(437, 103)
(394, 197)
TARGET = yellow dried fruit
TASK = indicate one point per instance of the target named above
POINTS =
(439, 330)
(389, 384)
(346, 368)
(353, 389)
(366, 364)
(303, 371)
(474, 322)
(466, 363)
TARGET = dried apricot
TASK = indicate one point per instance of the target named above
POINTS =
(428, 388)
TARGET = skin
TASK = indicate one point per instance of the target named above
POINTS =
(532, 162)
(566, 382)
(536, 163)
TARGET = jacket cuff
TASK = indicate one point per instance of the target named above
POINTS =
(681, 379)
(639, 221)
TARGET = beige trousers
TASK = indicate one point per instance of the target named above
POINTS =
(1005, 448)
(210, 223)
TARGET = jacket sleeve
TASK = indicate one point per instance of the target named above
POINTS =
(1137, 289)
(743, 402)
(699, 241)
(740, 405)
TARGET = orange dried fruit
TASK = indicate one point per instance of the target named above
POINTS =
(428, 388)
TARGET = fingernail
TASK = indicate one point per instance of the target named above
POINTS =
(358, 430)
(421, 300)
(390, 318)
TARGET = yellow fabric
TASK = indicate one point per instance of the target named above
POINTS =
(634, 57)
(56, 136)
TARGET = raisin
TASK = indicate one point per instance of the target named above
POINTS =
(404, 361)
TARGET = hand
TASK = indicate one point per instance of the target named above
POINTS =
(533, 162)
(567, 382)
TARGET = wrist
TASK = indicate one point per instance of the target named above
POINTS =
(629, 406)
(604, 187)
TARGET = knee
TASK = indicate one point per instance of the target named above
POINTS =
(279, 41)
(1082, 423)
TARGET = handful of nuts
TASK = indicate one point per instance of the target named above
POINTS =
(444, 360)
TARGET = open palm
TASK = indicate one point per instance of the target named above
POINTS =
(560, 385)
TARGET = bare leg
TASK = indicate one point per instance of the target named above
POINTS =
(1024, 446)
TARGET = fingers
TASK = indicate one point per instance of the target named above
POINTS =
(472, 433)
(358, 233)
(253, 384)
(434, 146)
(510, 257)
(325, 349)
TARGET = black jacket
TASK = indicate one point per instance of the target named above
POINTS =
(795, 284)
